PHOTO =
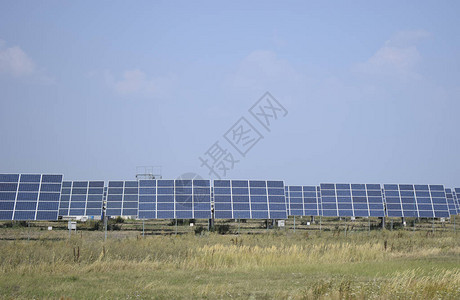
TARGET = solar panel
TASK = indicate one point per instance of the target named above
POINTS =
(374, 199)
(456, 194)
(81, 198)
(201, 199)
(439, 200)
(175, 199)
(249, 199)
(302, 201)
(147, 199)
(29, 196)
(286, 197)
(165, 199)
(394, 203)
(451, 202)
(122, 198)
(192, 199)
(424, 201)
(352, 200)
(318, 197)
(64, 202)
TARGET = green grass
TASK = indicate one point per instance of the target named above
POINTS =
(273, 264)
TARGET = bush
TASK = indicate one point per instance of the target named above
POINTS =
(181, 222)
(95, 225)
(222, 229)
(199, 230)
(114, 227)
(15, 224)
(119, 220)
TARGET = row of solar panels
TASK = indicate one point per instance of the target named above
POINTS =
(179, 199)
(46, 197)
(362, 200)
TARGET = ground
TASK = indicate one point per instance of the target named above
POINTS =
(257, 263)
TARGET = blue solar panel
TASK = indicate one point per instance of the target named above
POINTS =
(9, 178)
(352, 200)
(286, 197)
(318, 197)
(374, 200)
(122, 198)
(456, 194)
(29, 196)
(147, 199)
(249, 199)
(165, 199)
(302, 201)
(201, 199)
(451, 202)
(175, 199)
(328, 200)
(439, 200)
(8, 192)
(81, 198)
(392, 200)
(344, 200)
(424, 201)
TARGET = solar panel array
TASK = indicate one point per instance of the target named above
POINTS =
(249, 199)
(81, 198)
(407, 200)
(45, 197)
(451, 202)
(352, 200)
(29, 196)
(175, 199)
(302, 201)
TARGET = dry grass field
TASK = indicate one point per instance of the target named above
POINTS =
(258, 263)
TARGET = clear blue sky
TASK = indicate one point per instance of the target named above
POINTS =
(93, 89)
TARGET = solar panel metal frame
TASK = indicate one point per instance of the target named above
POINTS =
(247, 199)
(36, 196)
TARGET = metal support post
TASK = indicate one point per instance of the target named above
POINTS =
(105, 227)
(320, 223)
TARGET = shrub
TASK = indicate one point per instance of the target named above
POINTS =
(95, 225)
(15, 224)
(223, 229)
(119, 220)
(199, 229)
(113, 227)
(181, 222)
